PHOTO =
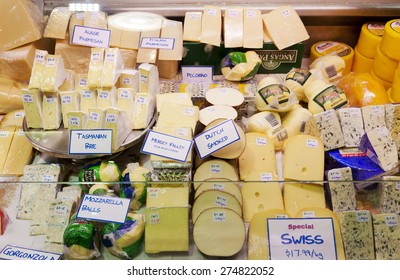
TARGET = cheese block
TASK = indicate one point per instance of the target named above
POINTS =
(214, 170)
(252, 29)
(70, 101)
(233, 27)
(300, 195)
(392, 112)
(32, 101)
(192, 26)
(370, 38)
(262, 122)
(19, 154)
(88, 99)
(112, 67)
(148, 79)
(25, 15)
(215, 198)
(178, 115)
(129, 78)
(95, 19)
(77, 18)
(341, 189)
(182, 98)
(258, 239)
(373, 116)
(76, 119)
(96, 118)
(224, 96)
(6, 136)
(95, 73)
(258, 156)
(106, 98)
(390, 39)
(118, 121)
(326, 126)
(285, 27)
(380, 148)
(52, 116)
(13, 118)
(224, 185)
(314, 212)
(69, 82)
(219, 232)
(60, 212)
(260, 192)
(386, 230)
(10, 95)
(214, 112)
(389, 194)
(58, 23)
(324, 96)
(39, 217)
(17, 63)
(296, 154)
(173, 30)
(352, 125)
(75, 57)
(357, 234)
(54, 73)
(361, 63)
(383, 66)
(211, 26)
(125, 28)
(126, 100)
(147, 54)
(143, 110)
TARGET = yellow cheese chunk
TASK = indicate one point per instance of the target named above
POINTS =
(126, 100)
(172, 29)
(143, 110)
(192, 26)
(54, 73)
(149, 79)
(32, 100)
(69, 102)
(118, 121)
(148, 55)
(13, 118)
(96, 118)
(6, 136)
(112, 67)
(88, 100)
(76, 120)
(182, 98)
(252, 29)
(51, 111)
(361, 63)
(69, 82)
(211, 26)
(10, 95)
(81, 82)
(233, 28)
(129, 78)
(95, 19)
(178, 115)
(57, 24)
(75, 19)
(95, 68)
(106, 98)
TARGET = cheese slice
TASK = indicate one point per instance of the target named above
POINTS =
(173, 30)
(118, 121)
(38, 69)
(211, 26)
(95, 19)
(148, 54)
(96, 118)
(54, 73)
(32, 101)
(69, 82)
(252, 29)
(76, 120)
(351, 122)
(300, 195)
(182, 98)
(341, 189)
(143, 110)
(57, 24)
(149, 79)
(233, 28)
(106, 97)
(172, 114)
(386, 231)
(129, 78)
(297, 151)
(192, 26)
(224, 185)
(88, 99)
(373, 116)
(6, 136)
(51, 111)
(70, 101)
(126, 101)
(95, 68)
(389, 194)
(112, 67)
(214, 170)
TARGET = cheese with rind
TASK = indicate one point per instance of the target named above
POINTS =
(54, 73)
(341, 189)
(32, 101)
(70, 101)
(52, 115)
(118, 121)
(214, 170)
(58, 22)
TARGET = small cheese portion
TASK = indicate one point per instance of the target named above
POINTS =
(57, 24)
(106, 98)
(300, 195)
(13, 118)
(172, 114)
(96, 118)
(6, 136)
(76, 119)
(88, 100)
(129, 78)
(211, 113)
(373, 116)
(211, 26)
(143, 110)
(112, 67)
(214, 170)
(341, 189)
(389, 194)
(51, 111)
(95, 68)
(357, 234)
(19, 154)
(70, 101)
(297, 152)
(39, 61)
(252, 29)
(147, 54)
(392, 112)
(126, 100)
(285, 27)
(81, 82)
(32, 101)
(260, 192)
(149, 79)
(192, 26)
(380, 148)
(118, 121)
(172, 29)
(69, 82)
(386, 230)
(182, 98)
(352, 125)
(233, 27)
(224, 185)
(54, 73)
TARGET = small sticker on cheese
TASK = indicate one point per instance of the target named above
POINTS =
(153, 193)
(27, 98)
(219, 217)
(392, 221)
(266, 177)
(218, 186)
(188, 111)
(215, 168)
(311, 143)
(154, 218)
(260, 141)
(362, 216)
(308, 214)
(221, 201)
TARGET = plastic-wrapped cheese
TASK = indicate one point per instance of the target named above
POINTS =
(136, 180)
(262, 122)
(103, 171)
(296, 81)
(99, 189)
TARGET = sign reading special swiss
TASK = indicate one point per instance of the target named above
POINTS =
(301, 239)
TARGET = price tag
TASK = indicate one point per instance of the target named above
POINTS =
(197, 74)
(96, 141)
(301, 239)
(167, 146)
(157, 43)
(216, 138)
(104, 208)
(10, 252)
(91, 37)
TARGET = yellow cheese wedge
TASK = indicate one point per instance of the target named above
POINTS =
(52, 116)
(6, 136)
(95, 68)
(88, 99)
(39, 61)
(19, 154)
(70, 101)
(57, 24)
(96, 118)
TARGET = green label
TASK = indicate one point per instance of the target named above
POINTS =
(331, 98)
(272, 59)
(299, 75)
(79, 233)
(271, 92)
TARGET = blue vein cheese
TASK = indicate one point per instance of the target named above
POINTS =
(96, 118)
(143, 110)
(358, 240)
(95, 68)
(389, 194)
(76, 120)
(106, 97)
(126, 100)
(118, 121)
(51, 111)
(88, 100)
(70, 101)
(54, 73)
(341, 189)
(352, 125)
(32, 102)
(386, 236)
(393, 122)
(112, 67)
(40, 214)
(326, 126)
(380, 148)
(129, 78)
(59, 212)
(373, 116)
(55, 234)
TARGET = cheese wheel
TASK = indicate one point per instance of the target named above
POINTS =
(211, 113)
(224, 96)
(394, 91)
(370, 38)
(225, 185)
(361, 63)
(390, 44)
(329, 68)
(332, 47)
(215, 170)
(384, 67)
(385, 84)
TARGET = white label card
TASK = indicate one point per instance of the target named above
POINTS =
(91, 37)
(104, 208)
(11, 252)
(167, 146)
(197, 74)
(96, 141)
(301, 239)
(157, 43)
(216, 138)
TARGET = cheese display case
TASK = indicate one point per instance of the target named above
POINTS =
(247, 131)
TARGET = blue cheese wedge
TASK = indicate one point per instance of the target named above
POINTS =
(59, 212)
(373, 116)
(341, 189)
(386, 236)
(352, 125)
(357, 234)
(389, 194)
(393, 122)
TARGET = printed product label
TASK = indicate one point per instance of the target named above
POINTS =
(66, 99)
(311, 143)
(274, 92)
(376, 28)
(154, 218)
(74, 121)
(362, 216)
(330, 47)
(28, 98)
(272, 59)
(395, 26)
(94, 116)
(218, 186)
(215, 168)
(299, 75)
(266, 177)
(221, 201)
(260, 141)
(392, 221)
(219, 217)
(335, 175)
(331, 98)
(308, 214)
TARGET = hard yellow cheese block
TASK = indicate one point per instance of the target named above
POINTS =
(51, 111)
(112, 67)
(211, 26)
(178, 115)
(76, 119)
(69, 82)
(126, 100)
(95, 68)
(13, 118)
(32, 101)
(172, 29)
(192, 26)
(54, 73)
(118, 121)
(6, 136)
(143, 110)
(106, 98)
(57, 24)
(149, 79)
(96, 118)
(233, 28)
(182, 98)
(88, 99)
(148, 55)
(70, 101)
(252, 29)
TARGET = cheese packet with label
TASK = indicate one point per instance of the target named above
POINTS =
(135, 183)
(102, 171)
